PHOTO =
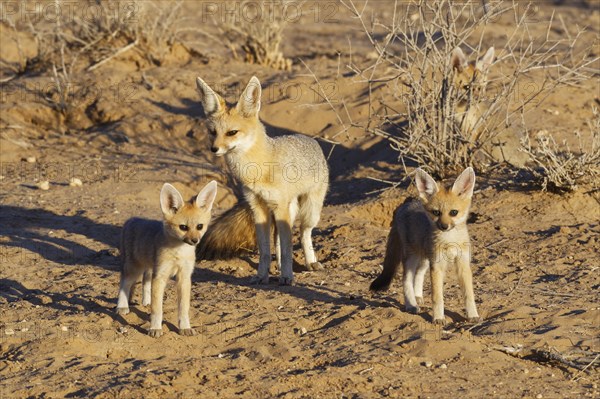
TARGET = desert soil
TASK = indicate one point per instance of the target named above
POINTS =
(535, 254)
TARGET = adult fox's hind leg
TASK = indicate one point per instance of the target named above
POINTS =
(310, 213)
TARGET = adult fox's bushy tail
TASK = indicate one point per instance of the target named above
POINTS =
(231, 234)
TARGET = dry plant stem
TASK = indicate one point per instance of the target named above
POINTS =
(321, 92)
(116, 54)
(577, 376)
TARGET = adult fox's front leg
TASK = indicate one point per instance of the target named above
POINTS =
(262, 221)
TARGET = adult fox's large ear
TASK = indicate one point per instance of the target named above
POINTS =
(425, 184)
(170, 200)
(465, 183)
(486, 61)
(458, 60)
(206, 196)
(211, 101)
(249, 103)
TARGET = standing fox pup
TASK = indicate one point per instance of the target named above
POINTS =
(160, 250)
(470, 80)
(283, 178)
(431, 232)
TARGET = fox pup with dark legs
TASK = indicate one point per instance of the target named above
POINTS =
(155, 251)
(431, 233)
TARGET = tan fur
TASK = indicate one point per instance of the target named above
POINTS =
(229, 235)
(283, 178)
(470, 80)
(160, 250)
(426, 233)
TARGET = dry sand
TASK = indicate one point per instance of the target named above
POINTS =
(535, 254)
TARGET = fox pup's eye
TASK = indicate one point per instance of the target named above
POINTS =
(435, 212)
(183, 227)
(231, 133)
(453, 212)
(199, 227)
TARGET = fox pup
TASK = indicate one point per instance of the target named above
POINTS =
(283, 178)
(431, 232)
(160, 250)
(470, 80)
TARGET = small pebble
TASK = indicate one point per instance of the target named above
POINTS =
(303, 331)
(539, 396)
(75, 182)
(64, 328)
(9, 331)
(31, 159)
(443, 366)
(427, 364)
(44, 185)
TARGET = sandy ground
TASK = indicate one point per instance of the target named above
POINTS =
(535, 254)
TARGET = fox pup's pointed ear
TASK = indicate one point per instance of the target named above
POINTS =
(425, 184)
(206, 196)
(465, 183)
(249, 103)
(211, 101)
(484, 63)
(458, 60)
(170, 200)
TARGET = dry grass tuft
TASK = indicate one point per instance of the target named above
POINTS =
(258, 33)
(558, 167)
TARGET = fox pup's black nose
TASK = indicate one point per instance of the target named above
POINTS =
(443, 226)
(194, 240)
(214, 149)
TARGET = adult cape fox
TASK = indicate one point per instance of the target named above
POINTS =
(159, 250)
(283, 178)
(470, 80)
(431, 232)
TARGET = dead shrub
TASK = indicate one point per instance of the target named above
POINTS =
(258, 32)
(415, 101)
(85, 34)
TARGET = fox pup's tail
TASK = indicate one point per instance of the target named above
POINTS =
(393, 257)
(229, 235)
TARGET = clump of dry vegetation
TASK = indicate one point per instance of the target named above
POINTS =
(558, 167)
(413, 66)
(77, 35)
(257, 29)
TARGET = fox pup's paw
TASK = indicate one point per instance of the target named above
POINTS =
(419, 300)
(122, 311)
(315, 266)
(441, 322)
(413, 309)
(258, 280)
(188, 332)
(286, 280)
(474, 319)
(155, 332)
